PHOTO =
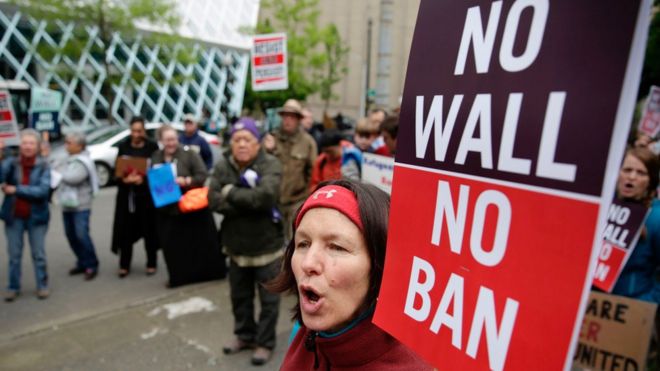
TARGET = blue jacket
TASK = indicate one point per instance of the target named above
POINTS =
(202, 144)
(36, 192)
(638, 278)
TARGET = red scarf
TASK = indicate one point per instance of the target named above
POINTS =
(22, 209)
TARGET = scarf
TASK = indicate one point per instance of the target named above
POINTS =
(22, 209)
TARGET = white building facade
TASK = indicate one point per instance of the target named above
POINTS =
(159, 88)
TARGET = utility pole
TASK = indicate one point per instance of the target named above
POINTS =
(367, 83)
(384, 52)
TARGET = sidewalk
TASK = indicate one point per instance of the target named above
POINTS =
(182, 330)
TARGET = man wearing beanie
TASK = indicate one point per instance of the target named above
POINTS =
(297, 150)
(245, 188)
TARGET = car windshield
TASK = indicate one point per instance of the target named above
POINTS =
(104, 134)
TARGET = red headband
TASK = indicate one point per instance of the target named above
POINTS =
(333, 197)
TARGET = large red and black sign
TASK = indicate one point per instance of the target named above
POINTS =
(513, 124)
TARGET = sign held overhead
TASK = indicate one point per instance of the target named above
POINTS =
(269, 62)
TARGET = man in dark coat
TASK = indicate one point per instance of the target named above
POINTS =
(134, 209)
(191, 138)
(245, 188)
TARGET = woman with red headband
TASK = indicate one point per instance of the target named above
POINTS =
(334, 264)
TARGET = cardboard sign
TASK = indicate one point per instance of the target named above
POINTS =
(127, 164)
(162, 185)
(8, 126)
(615, 333)
(506, 162)
(649, 124)
(269, 62)
(378, 170)
(624, 224)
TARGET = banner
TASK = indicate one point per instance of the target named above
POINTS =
(615, 333)
(8, 126)
(269, 62)
(162, 185)
(378, 170)
(649, 124)
(513, 125)
(624, 223)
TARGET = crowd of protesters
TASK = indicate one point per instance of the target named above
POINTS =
(258, 184)
(261, 185)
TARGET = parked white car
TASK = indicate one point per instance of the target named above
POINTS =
(102, 146)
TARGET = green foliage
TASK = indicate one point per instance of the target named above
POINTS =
(316, 55)
(651, 70)
(335, 59)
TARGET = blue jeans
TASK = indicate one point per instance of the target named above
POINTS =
(76, 227)
(36, 236)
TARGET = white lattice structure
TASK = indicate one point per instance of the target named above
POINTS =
(165, 88)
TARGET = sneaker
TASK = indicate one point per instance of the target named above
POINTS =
(122, 273)
(236, 346)
(43, 294)
(76, 270)
(11, 296)
(261, 355)
(90, 274)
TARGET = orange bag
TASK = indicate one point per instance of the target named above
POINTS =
(194, 200)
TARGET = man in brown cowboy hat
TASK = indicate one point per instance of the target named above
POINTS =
(297, 151)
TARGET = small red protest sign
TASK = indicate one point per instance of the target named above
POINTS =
(624, 224)
(269, 62)
(506, 161)
(649, 124)
(8, 126)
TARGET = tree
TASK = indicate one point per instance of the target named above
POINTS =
(335, 63)
(109, 17)
(651, 70)
(316, 55)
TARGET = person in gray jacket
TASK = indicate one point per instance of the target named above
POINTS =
(77, 189)
(245, 188)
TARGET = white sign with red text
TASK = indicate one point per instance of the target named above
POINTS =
(269, 62)
(8, 126)
(378, 170)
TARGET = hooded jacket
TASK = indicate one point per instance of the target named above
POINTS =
(362, 347)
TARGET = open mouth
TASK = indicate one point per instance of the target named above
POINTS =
(311, 295)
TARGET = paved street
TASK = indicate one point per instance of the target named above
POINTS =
(117, 324)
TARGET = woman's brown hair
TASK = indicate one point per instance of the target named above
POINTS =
(652, 164)
(374, 206)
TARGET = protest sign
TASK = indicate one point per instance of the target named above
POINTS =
(162, 185)
(269, 62)
(45, 105)
(8, 126)
(506, 161)
(378, 170)
(615, 333)
(649, 124)
(128, 164)
(624, 224)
